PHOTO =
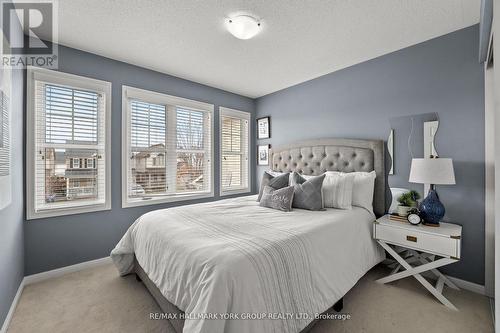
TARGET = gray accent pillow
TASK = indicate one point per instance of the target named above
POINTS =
(280, 199)
(274, 182)
(307, 193)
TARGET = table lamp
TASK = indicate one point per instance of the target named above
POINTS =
(433, 171)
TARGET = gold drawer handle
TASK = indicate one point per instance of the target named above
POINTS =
(411, 238)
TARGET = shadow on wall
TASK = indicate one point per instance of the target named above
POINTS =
(388, 161)
(413, 136)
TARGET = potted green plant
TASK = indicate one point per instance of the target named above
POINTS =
(407, 201)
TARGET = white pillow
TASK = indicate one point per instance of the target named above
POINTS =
(364, 186)
(337, 190)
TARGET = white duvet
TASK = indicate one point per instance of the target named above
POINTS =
(234, 257)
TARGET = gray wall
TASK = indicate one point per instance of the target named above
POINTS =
(441, 75)
(11, 217)
(62, 241)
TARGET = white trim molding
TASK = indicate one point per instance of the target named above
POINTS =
(227, 112)
(34, 278)
(489, 175)
(74, 81)
(462, 284)
(496, 138)
(466, 285)
(13, 306)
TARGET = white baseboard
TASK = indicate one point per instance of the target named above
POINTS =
(65, 270)
(492, 309)
(12, 307)
(462, 284)
(470, 286)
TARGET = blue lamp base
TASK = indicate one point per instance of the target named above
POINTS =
(431, 209)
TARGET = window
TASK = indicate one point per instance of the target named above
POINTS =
(167, 148)
(68, 151)
(234, 145)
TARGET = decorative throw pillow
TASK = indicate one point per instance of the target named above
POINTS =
(280, 199)
(300, 179)
(362, 192)
(278, 173)
(307, 193)
(274, 182)
(337, 189)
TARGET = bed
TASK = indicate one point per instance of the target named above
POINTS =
(233, 266)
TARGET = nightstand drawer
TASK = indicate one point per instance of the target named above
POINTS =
(430, 243)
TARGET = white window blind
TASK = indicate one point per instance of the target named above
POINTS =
(169, 148)
(69, 153)
(234, 143)
(4, 135)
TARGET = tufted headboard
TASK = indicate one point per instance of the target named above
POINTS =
(346, 155)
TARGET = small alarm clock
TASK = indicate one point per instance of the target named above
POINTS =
(413, 218)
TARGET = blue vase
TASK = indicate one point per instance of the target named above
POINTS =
(431, 209)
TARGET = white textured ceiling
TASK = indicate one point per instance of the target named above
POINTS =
(300, 40)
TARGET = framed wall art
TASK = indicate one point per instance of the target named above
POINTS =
(264, 128)
(263, 154)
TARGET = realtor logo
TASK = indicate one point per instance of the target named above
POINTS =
(29, 34)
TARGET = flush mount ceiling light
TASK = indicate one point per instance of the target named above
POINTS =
(243, 26)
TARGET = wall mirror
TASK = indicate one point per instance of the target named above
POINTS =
(412, 136)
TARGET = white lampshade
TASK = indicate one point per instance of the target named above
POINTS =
(432, 171)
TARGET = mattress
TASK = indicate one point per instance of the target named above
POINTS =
(233, 266)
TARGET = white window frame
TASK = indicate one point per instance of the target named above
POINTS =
(73, 159)
(227, 112)
(79, 82)
(90, 163)
(164, 99)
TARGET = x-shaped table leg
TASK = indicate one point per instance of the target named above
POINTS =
(415, 272)
(424, 260)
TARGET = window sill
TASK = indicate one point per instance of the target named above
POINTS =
(231, 192)
(127, 203)
(54, 212)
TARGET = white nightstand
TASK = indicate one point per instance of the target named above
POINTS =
(429, 247)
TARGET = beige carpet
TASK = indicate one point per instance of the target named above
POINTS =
(98, 300)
